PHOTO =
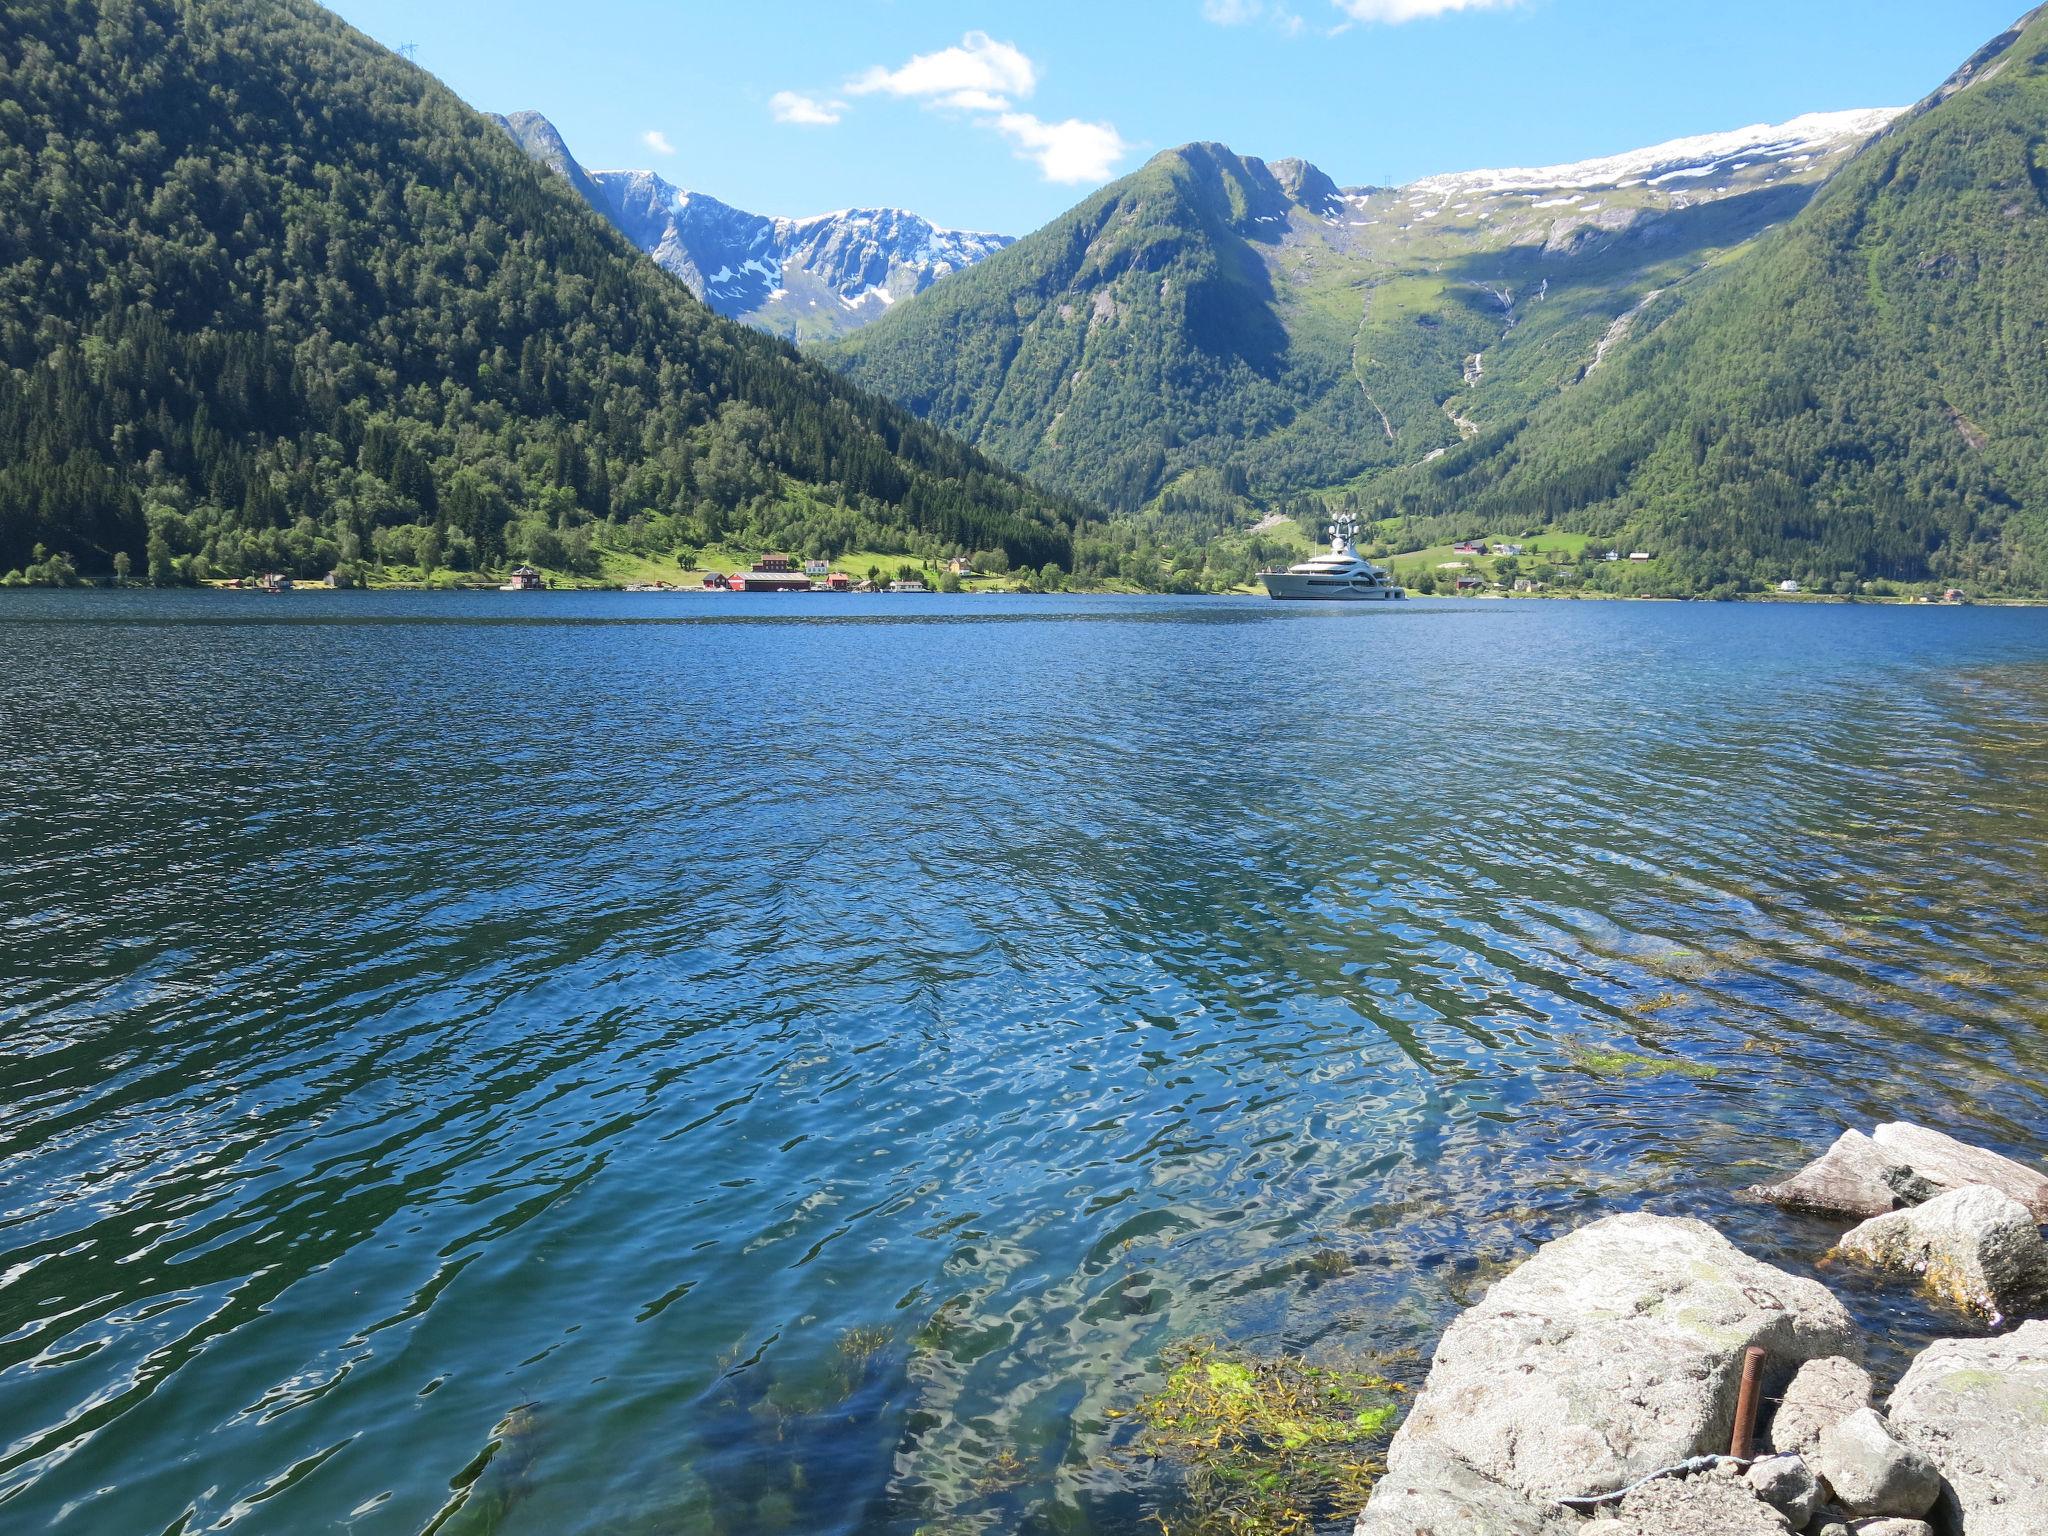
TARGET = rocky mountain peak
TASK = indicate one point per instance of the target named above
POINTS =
(1307, 185)
(539, 138)
(804, 278)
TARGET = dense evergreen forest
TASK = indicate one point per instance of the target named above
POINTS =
(1862, 398)
(272, 298)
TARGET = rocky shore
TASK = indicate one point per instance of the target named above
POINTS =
(1597, 1389)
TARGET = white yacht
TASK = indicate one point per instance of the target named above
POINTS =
(1338, 577)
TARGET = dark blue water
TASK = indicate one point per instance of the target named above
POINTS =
(569, 1064)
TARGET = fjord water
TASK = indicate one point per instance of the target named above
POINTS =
(634, 1064)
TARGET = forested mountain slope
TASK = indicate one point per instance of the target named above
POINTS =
(1864, 396)
(271, 297)
(1228, 332)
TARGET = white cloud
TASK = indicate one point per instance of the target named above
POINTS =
(987, 78)
(795, 107)
(975, 101)
(1069, 151)
(1394, 12)
(657, 141)
(1242, 13)
(978, 67)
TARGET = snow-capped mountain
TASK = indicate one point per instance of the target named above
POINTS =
(1374, 327)
(804, 278)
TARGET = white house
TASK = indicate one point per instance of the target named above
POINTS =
(815, 568)
(1788, 586)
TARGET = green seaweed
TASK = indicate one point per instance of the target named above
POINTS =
(1609, 1062)
(1268, 1446)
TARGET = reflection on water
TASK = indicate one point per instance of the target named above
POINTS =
(649, 1064)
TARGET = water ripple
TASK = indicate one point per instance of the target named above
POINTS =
(619, 1063)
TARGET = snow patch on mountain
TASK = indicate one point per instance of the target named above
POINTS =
(1812, 135)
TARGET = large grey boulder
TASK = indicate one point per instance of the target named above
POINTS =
(1899, 1165)
(1869, 1472)
(1824, 1393)
(1976, 1247)
(1699, 1506)
(1611, 1353)
(1978, 1408)
(1432, 1493)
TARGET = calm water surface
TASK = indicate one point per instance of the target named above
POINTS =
(674, 1064)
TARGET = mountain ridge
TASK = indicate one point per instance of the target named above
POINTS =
(1863, 398)
(1213, 325)
(335, 318)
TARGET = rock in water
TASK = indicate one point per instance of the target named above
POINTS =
(1976, 1247)
(1854, 1177)
(1824, 1393)
(1869, 1472)
(1610, 1354)
(1978, 1408)
(1900, 1165)
(1950, 1164)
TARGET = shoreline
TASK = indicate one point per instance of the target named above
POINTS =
(1788, 600)
(1645, 1373)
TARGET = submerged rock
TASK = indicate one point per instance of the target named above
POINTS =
(1900, 1165)
(1612, 1353)
(1869, 1472)
(1976, 1247)
(1824, 1393)
(1978, 1409)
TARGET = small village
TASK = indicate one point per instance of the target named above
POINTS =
(1500, 576)
(783, 573)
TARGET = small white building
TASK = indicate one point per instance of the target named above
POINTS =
(817, 568)
(1788, 586)
(1638, 555)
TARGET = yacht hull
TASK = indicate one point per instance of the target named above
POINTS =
(1287, 587)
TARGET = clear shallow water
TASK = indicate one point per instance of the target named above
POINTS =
(792, 1057)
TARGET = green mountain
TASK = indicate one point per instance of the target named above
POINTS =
(1864, 396)
(1214, 332)
(271, 297)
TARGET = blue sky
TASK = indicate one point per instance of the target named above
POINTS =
(998, 115)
